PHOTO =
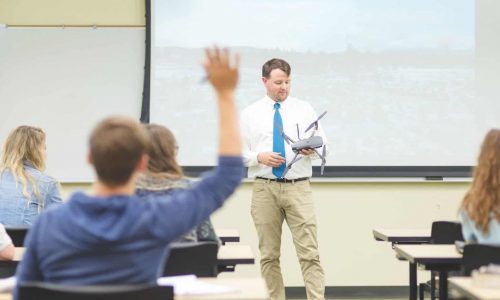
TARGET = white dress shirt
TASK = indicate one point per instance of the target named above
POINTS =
(257, 133)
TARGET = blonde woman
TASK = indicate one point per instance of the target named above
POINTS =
(480, 210)
(25, 190)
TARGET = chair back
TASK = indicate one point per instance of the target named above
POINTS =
(17, 234)
(446, 232)
(8, 268)
(50, 291)
(199, 258)
(478, 255)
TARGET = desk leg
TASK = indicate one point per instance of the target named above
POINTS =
(413, 281)
(443, 285)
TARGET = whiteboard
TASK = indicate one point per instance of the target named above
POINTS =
(65, 80)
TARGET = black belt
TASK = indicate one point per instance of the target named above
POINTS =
(284, 180)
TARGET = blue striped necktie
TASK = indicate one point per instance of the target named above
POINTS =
(278, 141)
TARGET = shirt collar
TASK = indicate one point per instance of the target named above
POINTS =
(270, 102)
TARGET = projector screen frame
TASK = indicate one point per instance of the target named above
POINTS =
(426, 172)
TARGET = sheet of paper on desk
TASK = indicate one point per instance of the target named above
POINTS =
(190, 285)
(7, 284)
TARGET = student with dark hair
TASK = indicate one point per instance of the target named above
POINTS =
(480, 210)
(25, 190)
(165, 176)
(115, 237)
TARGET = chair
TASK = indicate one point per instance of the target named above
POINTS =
(8, 268)
(17, 234)
(50, 291)
(199, 258)
(478, 255)
(442, 233)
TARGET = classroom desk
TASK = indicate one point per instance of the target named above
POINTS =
(466, 288)
(227, 258)
(405, 236)
(235, 255)
(249, 289)
(441, 258)
(227, 255)
(227, 235)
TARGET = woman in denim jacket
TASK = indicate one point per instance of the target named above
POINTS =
(25, 190)
(165, 176)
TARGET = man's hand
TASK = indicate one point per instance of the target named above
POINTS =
(270, 159)
(222, 74)
(307, 151)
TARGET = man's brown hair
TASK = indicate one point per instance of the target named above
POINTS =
(275, 63)
(116, 147)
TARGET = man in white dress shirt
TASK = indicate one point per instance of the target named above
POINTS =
(276, 198)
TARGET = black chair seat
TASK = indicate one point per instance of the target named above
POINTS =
(199, 258)
(17, 234)
(8, 268)
(442, 233)
(478, 255)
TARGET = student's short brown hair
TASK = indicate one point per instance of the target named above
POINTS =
(275, 63)
(116, 146)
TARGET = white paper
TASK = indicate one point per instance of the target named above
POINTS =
(7, 284)
(190, 285)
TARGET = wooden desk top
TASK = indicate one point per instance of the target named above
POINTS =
(465, 287)
(249, 289)
(402, 235)
(235, 254)
(18, 253)
(227, 235)
(429, 254)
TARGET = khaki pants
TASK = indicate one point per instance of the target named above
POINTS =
(273, 202)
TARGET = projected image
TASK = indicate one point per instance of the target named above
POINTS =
(396, 77)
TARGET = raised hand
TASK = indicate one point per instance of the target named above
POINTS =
(222, 70)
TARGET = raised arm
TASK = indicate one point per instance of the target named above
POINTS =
(191, 206)
(222, 72)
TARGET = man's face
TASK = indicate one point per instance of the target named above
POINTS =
(277, 85)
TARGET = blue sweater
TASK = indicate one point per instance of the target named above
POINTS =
(473, 234)
(120, 239)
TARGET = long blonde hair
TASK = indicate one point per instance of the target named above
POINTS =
(24, 145)
(483, 198)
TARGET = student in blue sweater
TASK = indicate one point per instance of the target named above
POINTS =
(113, 236)
(480, 210)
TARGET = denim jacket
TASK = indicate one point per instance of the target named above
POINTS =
(14, 207)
